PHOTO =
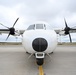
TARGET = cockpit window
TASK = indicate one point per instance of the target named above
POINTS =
(36, 26)
(39, 26)
(44, 26)
(31, 27)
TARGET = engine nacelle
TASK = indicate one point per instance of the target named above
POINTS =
(17, 33)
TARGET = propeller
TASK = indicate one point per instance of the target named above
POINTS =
(3, 25)
(11, 29)
(67, 30)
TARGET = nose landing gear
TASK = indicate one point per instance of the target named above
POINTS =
(40, 58)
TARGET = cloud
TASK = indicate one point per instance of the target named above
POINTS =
(51, 11)
(29, 11)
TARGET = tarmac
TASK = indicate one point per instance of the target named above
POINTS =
(14, 61)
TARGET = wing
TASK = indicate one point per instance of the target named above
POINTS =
(7, 31)
(21, 31)
(73, 31)
(65, 31)
(11, 30)
(4, 31)
(59, 31)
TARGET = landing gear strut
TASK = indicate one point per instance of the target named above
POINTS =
(40, 58)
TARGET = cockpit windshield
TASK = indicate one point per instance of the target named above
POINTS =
(31, 27)
(36, 26)
(39, 26)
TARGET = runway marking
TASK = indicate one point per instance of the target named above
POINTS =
(41, 70)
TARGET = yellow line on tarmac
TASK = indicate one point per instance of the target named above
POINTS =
(41, 70)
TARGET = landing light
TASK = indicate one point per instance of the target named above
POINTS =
(39, 55)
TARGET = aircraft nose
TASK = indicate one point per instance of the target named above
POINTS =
(39, 44)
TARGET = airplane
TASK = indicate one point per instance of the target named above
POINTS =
(38, 39)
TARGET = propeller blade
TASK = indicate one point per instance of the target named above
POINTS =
(70, 38)
(15, 22)
(74, 27)
(8, 36)
(65, 23)
(4, 25)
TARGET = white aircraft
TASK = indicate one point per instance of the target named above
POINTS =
(38, 40)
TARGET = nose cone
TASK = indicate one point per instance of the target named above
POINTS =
(39, 44)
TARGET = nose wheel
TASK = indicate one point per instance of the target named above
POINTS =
(40, 61)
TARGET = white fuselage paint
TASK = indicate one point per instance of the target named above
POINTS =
(30, 35)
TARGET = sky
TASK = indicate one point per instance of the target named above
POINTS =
(30, 11)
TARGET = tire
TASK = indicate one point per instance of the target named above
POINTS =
(40, 62)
